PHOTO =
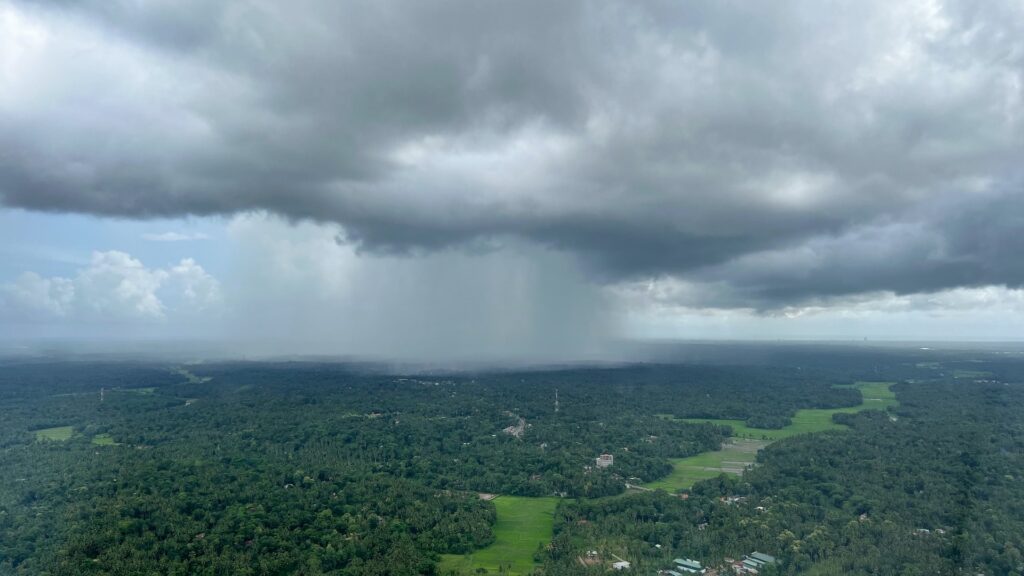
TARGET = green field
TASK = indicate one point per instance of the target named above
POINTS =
(103, 440)
(732, 458)
(522, 524)
(876, 396)
(741, 430)
(192, 378)
(60, 433)
(687, 471)
(971, 374)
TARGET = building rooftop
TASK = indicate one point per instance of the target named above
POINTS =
(689, 566)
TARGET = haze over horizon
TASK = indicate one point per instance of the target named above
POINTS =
(459, 179)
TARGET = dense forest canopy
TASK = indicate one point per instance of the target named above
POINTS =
(317, 468)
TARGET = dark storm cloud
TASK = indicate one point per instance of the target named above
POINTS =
(780, 153)
(968, 243)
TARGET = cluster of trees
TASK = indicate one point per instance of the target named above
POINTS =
(197, 519)
(199, 493)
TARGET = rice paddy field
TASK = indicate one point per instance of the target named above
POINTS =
(59, 433)
(734, 456)
(523, 524)
(103, 440)
(876, 396)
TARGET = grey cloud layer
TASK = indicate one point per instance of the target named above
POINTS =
(778, 152)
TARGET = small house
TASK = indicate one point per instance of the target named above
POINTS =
(688, 566)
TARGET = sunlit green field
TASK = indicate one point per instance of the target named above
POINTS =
(741, 430)
(687, 471)
(60, 433)
(103, 440)
(877, 396)
(971, 374)
(523, 524)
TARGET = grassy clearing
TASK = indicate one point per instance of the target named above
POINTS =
(59, 433)
(687, 471)
(103, 440)
(876, 392)
(876, 396)
(971, 374)
(731, 459)
(522, 524)
(192, 378)
(741, 430)
(145, 390)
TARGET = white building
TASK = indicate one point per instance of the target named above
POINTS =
(605, 460)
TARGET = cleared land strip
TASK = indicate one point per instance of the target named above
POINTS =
(58, 433)
(737, 455)
(733, 458)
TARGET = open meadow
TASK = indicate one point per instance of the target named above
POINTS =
(730, 459)
(523, 525)
(59, 433)
(103, 440)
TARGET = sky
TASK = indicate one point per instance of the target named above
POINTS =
(476, 178)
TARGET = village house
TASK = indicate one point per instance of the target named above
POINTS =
(753, 562)
(688, 566)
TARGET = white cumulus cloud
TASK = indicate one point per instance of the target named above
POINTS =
(31, 293)
(113, 287)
